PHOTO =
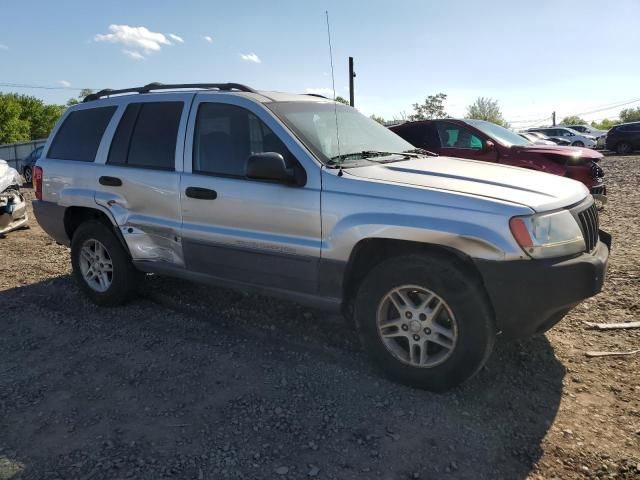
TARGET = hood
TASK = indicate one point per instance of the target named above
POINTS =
(536, 190)
(573, 154)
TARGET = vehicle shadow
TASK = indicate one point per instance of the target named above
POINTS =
(195, 382)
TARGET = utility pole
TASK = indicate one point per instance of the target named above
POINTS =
(553, 118)
(352, 75)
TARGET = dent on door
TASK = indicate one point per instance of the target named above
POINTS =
(159, 241)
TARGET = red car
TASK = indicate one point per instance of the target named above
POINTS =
(486, 141)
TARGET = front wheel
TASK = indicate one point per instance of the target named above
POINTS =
(101, 266)
(577, 143)
(424, 321)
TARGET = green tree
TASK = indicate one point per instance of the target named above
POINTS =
(42, 125)
(41, 117)
(573, 120)
(486, 109)
(378, 119)
(605, 124)
(26, 118)
(342, 100)
(13, 128)
(630, 115)
(433, 107)
(76, 100)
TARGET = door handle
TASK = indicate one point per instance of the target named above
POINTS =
(201, 193)
(110, 181)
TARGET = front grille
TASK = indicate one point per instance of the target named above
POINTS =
(589, 224)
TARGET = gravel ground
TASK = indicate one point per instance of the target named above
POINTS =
(192, 382)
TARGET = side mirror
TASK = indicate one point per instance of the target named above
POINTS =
(489, 146)
(269, 166)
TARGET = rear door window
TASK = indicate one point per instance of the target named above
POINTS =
(423, 136)
(146, 136)
(79, 137)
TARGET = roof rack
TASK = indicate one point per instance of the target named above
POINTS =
(171, 86)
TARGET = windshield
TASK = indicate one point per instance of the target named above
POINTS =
(496, 132)
(315, 125)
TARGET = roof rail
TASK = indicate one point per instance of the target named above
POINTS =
(316, 95)
(171, 86)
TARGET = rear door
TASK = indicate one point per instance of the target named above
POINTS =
(238, 229)
(138, 178)
(460, 141)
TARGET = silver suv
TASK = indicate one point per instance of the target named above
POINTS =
(302, 198)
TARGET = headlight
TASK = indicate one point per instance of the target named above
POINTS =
(546, 235)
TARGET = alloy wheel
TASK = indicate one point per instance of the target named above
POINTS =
(417, 326)
(96, 265)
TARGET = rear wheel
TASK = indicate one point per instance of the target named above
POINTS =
(424, 321)
(623, 148)
(577, 143)
(101, 266)
(28, 175)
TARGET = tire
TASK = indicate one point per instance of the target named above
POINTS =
(465, 315)
(120, 283)
(623, 148)
(577, 143)
(28, 175)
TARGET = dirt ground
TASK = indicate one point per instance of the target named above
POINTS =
(192, 382)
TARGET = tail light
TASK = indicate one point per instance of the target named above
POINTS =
(37, 182)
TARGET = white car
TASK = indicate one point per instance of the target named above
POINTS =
(586, 129)
(601, 135)
(535, 139)
(576, 138)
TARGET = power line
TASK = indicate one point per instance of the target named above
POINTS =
(601, 108)
(41, 87)
(606, 108)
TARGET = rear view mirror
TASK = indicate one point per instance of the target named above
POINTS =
(269, 166)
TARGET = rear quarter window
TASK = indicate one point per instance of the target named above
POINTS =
(79, 136)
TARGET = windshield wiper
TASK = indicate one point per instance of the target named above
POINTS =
(370, 155)
(421, 151)
(363, 154)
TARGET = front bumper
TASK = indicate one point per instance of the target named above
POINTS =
(530, 296)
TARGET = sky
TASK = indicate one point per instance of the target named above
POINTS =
(532, 57)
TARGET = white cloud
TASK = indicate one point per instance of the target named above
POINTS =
(141, 39)
(251, 57)
(64, 83)
(133, 55)
(3, 47)
(207, 39)
(176, 38)
(325, 92)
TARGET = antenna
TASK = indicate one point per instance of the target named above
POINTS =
(333, 82)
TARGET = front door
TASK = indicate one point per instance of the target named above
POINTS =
(234, 228)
